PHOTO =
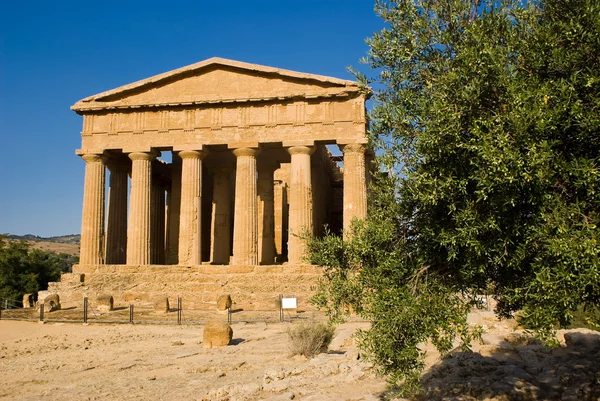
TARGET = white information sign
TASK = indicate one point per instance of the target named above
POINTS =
(288, 303)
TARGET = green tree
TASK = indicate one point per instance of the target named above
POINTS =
(24, 270)
(486, 119)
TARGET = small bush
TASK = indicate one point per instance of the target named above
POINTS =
(310, 338)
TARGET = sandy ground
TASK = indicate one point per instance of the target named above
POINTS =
(58, 361)
(123, 362)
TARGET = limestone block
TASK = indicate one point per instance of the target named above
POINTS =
(105, 302)
(217, 334)
(161, 304)
(73, 278)
(133, 296)
(51, 303)
(224, 302)
(28, 301)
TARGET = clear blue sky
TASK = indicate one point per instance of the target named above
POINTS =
(53, 53)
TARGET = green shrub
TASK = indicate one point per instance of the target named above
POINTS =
(310, 338)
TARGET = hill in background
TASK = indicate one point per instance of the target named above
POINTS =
(60, 244)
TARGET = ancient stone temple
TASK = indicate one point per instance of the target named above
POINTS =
(216, 169)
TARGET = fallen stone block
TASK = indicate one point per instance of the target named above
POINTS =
(217, 334)
(105, 302)
(161, 304)
(224, 302)
(28, 301)
(51, 303)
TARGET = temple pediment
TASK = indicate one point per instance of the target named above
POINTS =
(218, 80)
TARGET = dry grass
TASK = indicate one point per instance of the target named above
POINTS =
(310, 338)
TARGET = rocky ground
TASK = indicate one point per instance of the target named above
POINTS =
(57, 361)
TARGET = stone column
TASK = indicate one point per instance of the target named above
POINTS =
(116, 232)
(355, 183)
(221, 221)
(245, 228)
(92, 220)
(138, 233)
(190, 220)
(174, 204)
(301, 212)
(279, 205)
(157, 217)
(266, 213)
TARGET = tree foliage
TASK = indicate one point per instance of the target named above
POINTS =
(25, 270)
(486, 120)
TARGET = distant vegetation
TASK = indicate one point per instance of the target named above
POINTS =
(24, 269)
(64, 239)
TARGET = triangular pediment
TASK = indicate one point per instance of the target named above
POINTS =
(218, 80)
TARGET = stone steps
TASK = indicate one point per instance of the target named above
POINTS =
(250, 287)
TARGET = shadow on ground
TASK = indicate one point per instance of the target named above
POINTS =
(518, 368)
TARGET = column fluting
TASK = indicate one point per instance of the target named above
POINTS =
(116, 230)
(301, 205)
(245, 228)
(221, 221)
(355, 184)
(138, 232)
(92, 220)
(190, 220)
(266, 213)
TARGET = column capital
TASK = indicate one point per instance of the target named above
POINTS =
(246, 152)
(94, 158)
(354, 148)
(143, 155)
(193, 154)
(301, 150)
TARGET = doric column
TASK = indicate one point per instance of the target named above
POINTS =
(116, 231)
(355, 183)
(157, 220)
(301, 212)
(266, 213)
(245, 228)
(190, 220)
(369, 171)
(221, 219)
(280, 201)
(92, 220)
(138, 233)
(173, 205)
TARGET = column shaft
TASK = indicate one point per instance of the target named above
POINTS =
(301, 212)
(355, 184)
(116, 232)
(138, 233)
(221, 221)
(92, 221)
(266, 215)
(190, 225)
(245, 229)
(174, 205)
(157, 235)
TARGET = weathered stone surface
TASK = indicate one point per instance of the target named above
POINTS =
(28, 301)
(217, 334)
(72, 278)
(248, 163)
(51, 303)
(224, 302)
(161, 304)
(105, 302)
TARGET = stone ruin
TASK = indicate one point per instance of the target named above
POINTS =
(216, 171)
